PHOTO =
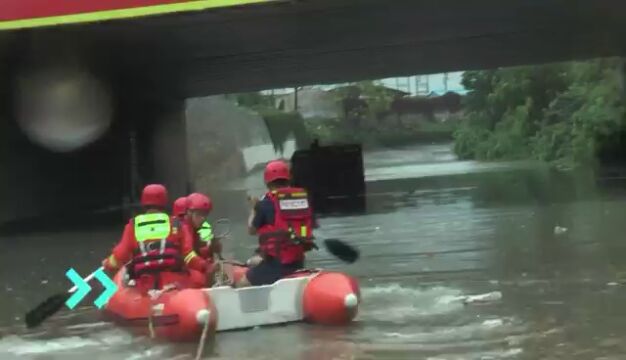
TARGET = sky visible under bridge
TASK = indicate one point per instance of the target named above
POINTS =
(414, 85)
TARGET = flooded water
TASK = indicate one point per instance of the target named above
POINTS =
(548, 248)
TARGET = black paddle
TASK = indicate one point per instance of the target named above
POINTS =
(50, 306)
(344, 252)
(46, 309)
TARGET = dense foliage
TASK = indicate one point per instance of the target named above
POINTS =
(565, 113)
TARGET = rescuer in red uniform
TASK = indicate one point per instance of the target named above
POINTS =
(155, 248)
(179, 210)
(283, 221)
(199, 207)
(179, 218)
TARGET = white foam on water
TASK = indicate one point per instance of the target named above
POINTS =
(486, 355)
(401, 304)
(486, 329)
(16, 345)
(152, 353)
(439, 319)
(115, 337)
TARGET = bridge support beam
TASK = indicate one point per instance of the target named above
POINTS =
(146, 143)
(169, 149)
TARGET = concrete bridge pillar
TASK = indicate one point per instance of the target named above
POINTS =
(169, 149)
(145, 143)
(157, 140)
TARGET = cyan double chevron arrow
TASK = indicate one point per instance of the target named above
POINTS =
(82, 288)
(109, 289)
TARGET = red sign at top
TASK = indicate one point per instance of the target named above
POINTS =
(30, 9)
(17, 14)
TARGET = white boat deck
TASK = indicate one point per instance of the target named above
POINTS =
(243, 308)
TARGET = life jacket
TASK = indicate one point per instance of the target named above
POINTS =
(158, 245)
(291, 234)
(205, 233)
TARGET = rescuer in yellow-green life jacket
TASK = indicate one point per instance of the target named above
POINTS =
(206, 246)
(204, 243)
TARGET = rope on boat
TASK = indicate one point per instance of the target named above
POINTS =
(150, 313)
(222, 228)
(151, 325)
(222, 232)
(222, 278)
(154, 296)
(205, 332)
(219, 274)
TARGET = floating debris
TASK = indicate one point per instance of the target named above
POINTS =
(558, 230)
(482, 298)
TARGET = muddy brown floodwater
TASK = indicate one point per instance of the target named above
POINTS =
(437, 230)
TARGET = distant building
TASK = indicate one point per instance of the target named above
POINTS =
(432, 107)
(331, 103)
(354, 91)
(347, 102)
(417, 85)
(422, 85)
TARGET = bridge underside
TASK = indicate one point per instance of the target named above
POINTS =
(165, 59)
(321, 41)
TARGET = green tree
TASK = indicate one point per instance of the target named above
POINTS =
(560, 113)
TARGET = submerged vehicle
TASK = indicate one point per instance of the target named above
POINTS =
(315, 296)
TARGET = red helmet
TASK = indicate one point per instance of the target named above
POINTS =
(180, 206)
(154, 195)
(276, 170)
(197, 201)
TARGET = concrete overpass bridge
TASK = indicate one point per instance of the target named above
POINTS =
(150, 55)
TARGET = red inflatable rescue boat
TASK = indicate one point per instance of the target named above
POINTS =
(177, 315)
(316, 296)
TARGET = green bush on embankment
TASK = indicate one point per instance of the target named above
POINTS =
(283, 125)
(330, 131)
(566, 114)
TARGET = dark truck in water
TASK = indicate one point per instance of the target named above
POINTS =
(334, 176)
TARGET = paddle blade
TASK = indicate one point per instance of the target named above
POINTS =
(341, 250)
(46, 309)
